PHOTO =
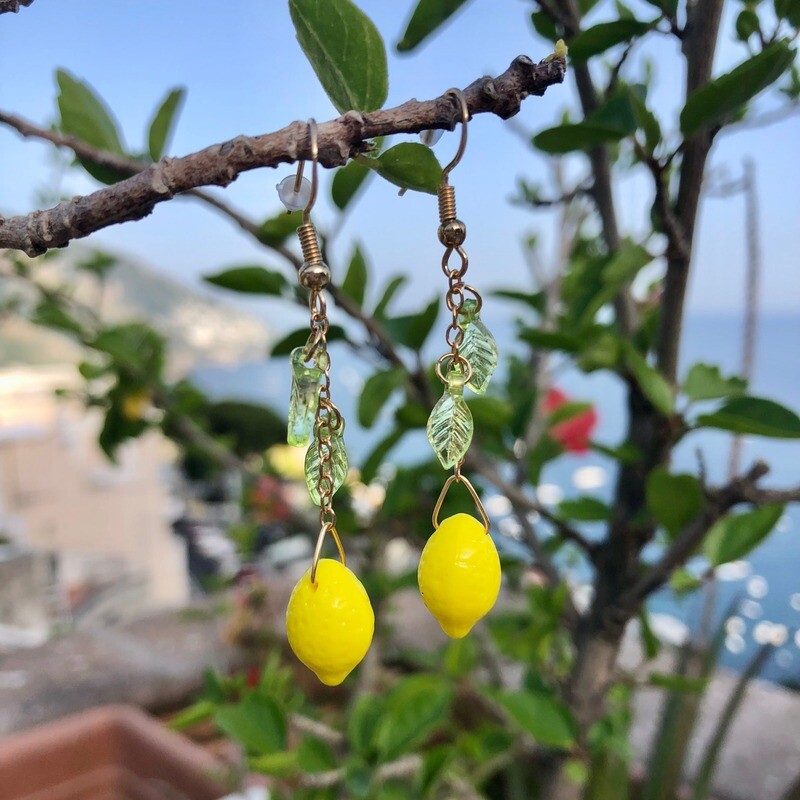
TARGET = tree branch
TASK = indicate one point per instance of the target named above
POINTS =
(220, 164)
(699, 44)
(743, 489)
(13, 6)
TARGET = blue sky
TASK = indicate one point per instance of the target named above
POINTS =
(245, 73)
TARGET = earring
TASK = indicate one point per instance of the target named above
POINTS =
(329, 620)
(459, 570)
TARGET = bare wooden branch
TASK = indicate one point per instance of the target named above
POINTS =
(220, 164)
(12, 6)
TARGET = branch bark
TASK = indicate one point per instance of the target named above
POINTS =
(699, 45)
(220, 164)
(12, 6)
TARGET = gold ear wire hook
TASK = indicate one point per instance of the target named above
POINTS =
(462, 145)
(312, 135)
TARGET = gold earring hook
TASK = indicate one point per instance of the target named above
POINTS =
(312, 135)
(462, 145)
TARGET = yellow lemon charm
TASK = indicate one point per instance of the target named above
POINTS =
(330, 622)
(459, 574)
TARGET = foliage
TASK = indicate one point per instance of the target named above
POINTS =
(453, 721)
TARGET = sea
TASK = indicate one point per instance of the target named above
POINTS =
(757, 599)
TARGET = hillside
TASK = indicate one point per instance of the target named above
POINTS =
(199, 326)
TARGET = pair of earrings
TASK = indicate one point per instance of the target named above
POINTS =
(329, 619)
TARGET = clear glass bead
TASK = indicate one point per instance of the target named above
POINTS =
(294, 200)
(450, 423)
(478, 347)
(304, 395)
(430, 138)
(338, 468)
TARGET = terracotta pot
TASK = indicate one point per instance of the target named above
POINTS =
(108, 753)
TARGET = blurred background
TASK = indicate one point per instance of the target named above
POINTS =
(92, 551)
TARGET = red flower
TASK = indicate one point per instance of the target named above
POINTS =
(575, 433)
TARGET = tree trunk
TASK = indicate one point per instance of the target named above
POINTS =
(592, 675)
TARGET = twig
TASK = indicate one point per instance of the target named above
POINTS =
(743, 489)
(677, 244)
(218, 165)
(315, 728)
(404, 767)
(525, 504)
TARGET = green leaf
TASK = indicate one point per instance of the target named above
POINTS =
(314, 755)
(544, 26)
(281, 764)
(626, 452)
(705, 382)
(196, 713)
(257, 723)
(747, 23)
(601, 37)
(567, 411)
(388, 295)
(678, 683)
(412, 330)
(541, 715)
(345, 50)
(50, 314)
(362, 724)
(460, 657)
(276, 230)
(98, 263)
(733, 537)
(788, 10)
(85, 116)
(164, 121)
(355, 281)
(683, 582)
(674, 500)
(450, 428)
(584, 509)
(377, 390)
(490, 413)
(346, 183)
(299, 337)
(650, 642)
(727, 93)
(550, 340)
(646, 121)
(409, 165)
(754, 415)
(250, 279)
(414, 709)
(536, 300)
(614, 120)
(651, 382)
(427, 17)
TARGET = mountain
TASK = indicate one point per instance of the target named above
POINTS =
(199, 327)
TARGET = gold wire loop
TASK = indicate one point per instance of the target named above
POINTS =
(462, 145)
(454, 360)
(457, 477)
(455, 272)
(325, 527)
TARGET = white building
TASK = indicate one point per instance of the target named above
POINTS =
(107, 525)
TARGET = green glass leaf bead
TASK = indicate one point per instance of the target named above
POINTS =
(478, 347)
(304, 394)
(339, 464)
(450, 423)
